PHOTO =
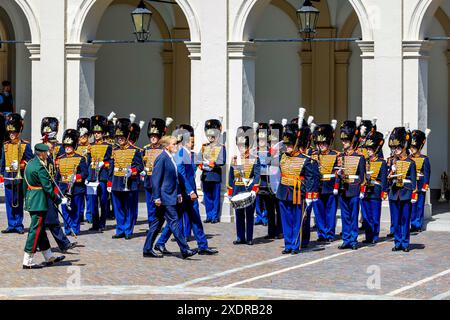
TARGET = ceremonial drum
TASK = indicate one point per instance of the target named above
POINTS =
(243, 200)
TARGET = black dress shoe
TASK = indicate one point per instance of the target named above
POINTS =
(236, 242)
(390, 235)
(8, 231)
(286, 251)
(56, 260)
(368, 241)
(189, 253)
(396, 249)
(207, 252)
(280, 236)
(354, 247)
(128, 237)
(250, 243)
(344, 246)
(21, 231)
(206, 221)
(152, 254)
(295, 251)
(70, 246)
(118, 236)
(215, 221)
(269, 237)
(162, 249)
(33, 266)
(258, 223)
(321, 239)
(405, 249)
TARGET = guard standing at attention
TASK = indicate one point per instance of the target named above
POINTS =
(38, 188)
(100, 161)
(213, 156)
(84, 149)
(423, 168)
(135, 132)
(71, 174)
(16, 153)
(126, 165)
(376, 188)
(352, 171)
(402, 182)
(325, 207)
(244, 176)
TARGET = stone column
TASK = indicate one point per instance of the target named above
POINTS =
(415, 91)
(80, 64)
(167, 58)
(198, 117)
(181, 93)
(36, 95)
(341, 59)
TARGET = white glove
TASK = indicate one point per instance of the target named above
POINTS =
(253, 193)
(15, 165)
(393, 168)
(413, 200)
(179, 198)
(335, 192)
(128, 173)
(2, 185)
(143, 173)
(64, 201)
(361, 195)
(109, 189)
(308, 202)
(101, 164)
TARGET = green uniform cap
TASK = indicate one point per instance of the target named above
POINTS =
(41, 147)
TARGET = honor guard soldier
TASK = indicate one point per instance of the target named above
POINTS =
(423, 168)
(84, 148)
(266, 196)
(299, 185)
(16, 153)
(135, 132)
(124, 180)
(376, 187)
(189, 214)
(352, 170)
(38, 190)
(72, 172)
(100, 161)
(213, 157)
(157, 128)
(49, 131)
(402, 182)
(366, 128)
(261, 211)
(325, 207)
(111, 140)
(244, 176)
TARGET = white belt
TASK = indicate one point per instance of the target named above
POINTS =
(375, 183)
(405, 181)
(352, 176)
(327, 176)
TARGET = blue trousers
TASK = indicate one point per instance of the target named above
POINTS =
(291, 217)
(73, 217)
(401, 216)
(418, 211)
(60, 237)
(135, 205)
(261, 211)
(349, 217)
(151, 208)
(124, 211)
(245, 223)
(212, 199)
(170, 214)
(99, 221)
(14, 215)
(191, 211)
(274, 225)
(86, 205)
(306, 226)
(371, 212)
(325, 213)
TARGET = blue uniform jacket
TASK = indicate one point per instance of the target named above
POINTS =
(148, 178)
(79, 187)
(255, 174)
(186, 171)
(26, 156)
(353, 189)
(103, 174)
(404, 193)
(214, 174)
(423, 177)
(310, 184)
(376, 186)
(136, 165)
(165, 180)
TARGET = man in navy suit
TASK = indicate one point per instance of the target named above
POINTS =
(189, 208)
(167, 194)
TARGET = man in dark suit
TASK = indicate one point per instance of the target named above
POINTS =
(167, 194)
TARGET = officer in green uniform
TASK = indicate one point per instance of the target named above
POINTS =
(38, 186)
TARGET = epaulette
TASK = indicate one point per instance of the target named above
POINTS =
(147, 146)
(25, 141)
(137, 148)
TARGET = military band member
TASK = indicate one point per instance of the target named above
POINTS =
(366, 128)
(376, 188)
(126, 165)
(261, 211)
(325, 207)
(49, 131)
(299, 185)
(213, 157)
(38, 188)
(71, 174)
(166, 192)
(109, 137)
(402, 182)
(352, 179)
(16, 153)
(99, 165)
(267, 135)
(156, 130)
(244, 176)
(423, 168)
(189, 213)
(84, 148)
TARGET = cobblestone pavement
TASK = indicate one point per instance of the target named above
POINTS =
(103, 268)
